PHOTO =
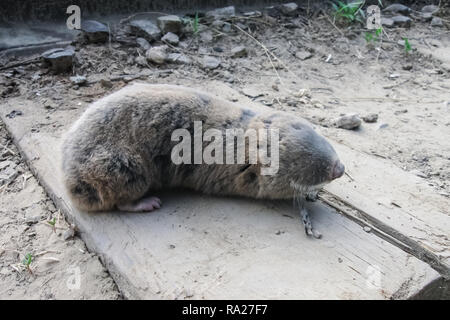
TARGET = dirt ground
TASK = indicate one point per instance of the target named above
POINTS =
(317, 70)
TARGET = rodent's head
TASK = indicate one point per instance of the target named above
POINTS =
(306, 160)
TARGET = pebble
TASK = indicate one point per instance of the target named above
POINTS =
(141, 61)
(94, 31)
(348, 121)
(402, 21)
(144, 44)
(106, 83)
(68, 234)
(225, 12)
(383, 125)
(170, 23)
(367, 229)
(59, 59)
(397, 8)
(7, 175)
(171, 38)
(178, 58)
(157, 54)
(238, 52)
(209, 62)
(430, 9)
(32, 220)
(146, 29)
(289, 8)
(370, 118)
(387, 22)
(303, 55)
(436, 22)
(78, 80)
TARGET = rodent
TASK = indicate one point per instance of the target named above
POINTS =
(119, 151)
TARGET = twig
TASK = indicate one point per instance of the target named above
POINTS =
(21, 63)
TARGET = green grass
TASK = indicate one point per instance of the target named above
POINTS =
(373, 36)
(348, 12)
(27, 261)
(407, 45)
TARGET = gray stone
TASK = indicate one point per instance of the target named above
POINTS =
(238, 52)
(32, 220)
(426, 16)
(94, 31)
(206, 36)
(289, 8)
(157, 54)
(436, 22)
(68, 234)
(145, 29)
(144, 44)
(106, 83)
(59, 59)
(303, 55)
(7, 175)
(141, 61)
(209, 62)
(371, 117)
(387, 22)
(171, 38)
(348, 121)
(78, 80)
(402, 21)
(170, 23)
(397, 8)
(430, 9)
(178, 58)
(222, 12)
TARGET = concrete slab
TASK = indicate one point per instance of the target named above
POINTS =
(208, 247)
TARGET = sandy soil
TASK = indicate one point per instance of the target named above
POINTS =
(320, 72)
(61, 266)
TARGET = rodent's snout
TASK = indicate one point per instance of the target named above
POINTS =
(338, 170)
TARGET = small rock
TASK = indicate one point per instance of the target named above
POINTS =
(402, 21)
(387, 22)
(367, 229)
(407, 67)
(436, 22)
(426, 16)
(178, 58)
(106, 83)
(32, 220)
(303, 55)
(94, 31)
(238, 52)
(206, 36)
(370, 118)
(209, 62)
(348, 121)
(68, 234)
(171, 38)
(222, 12)
(289, 8)
(78, 80)
(430, 9)
(8, 175)
(59, 59)
(144, 44)
(397, 8)
(383, 125)
(141, 61)
(146, 29)
(171, 23)
(157, 54)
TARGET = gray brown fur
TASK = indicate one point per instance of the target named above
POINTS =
(120, 149)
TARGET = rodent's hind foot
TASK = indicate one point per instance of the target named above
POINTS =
(308, 225)
(312, 196)
(142, 205)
